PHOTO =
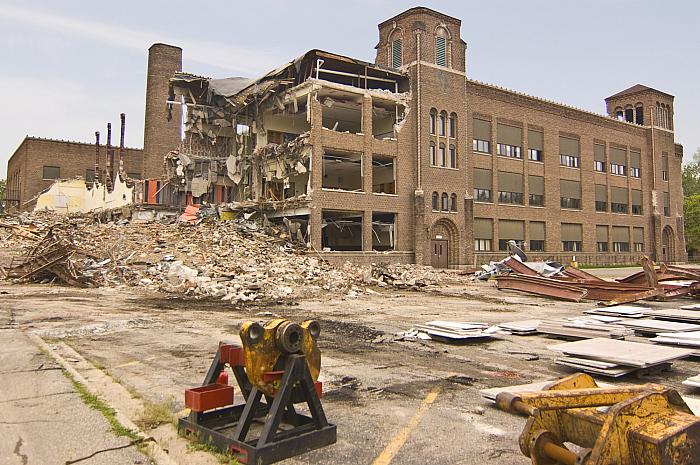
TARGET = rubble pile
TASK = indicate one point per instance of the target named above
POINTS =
(411, 277)
(236, 261)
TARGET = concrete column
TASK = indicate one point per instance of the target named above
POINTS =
(368, 140)
(315, 227)
(367, 231)
(160, 134)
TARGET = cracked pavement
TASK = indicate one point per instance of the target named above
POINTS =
(42, 418)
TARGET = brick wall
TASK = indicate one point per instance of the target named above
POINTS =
(25, 168)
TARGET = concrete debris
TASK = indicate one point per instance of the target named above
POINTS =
(200, 256)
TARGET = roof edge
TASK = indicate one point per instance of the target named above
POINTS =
(420, 9)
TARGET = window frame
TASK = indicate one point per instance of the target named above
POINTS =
(393, 53)
(478, 144)
(441, 42)
(43, 173)
(569, 161)
(478, 192)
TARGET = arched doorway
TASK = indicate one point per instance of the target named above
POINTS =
(444, 243)
(667, 245)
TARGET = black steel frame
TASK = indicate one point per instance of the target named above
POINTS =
(285, 432)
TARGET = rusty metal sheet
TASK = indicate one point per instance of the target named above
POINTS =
(519, 267)
(580, 274)
(541, 286)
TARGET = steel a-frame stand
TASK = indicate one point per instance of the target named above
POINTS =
(285, 432)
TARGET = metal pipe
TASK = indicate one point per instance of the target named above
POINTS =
(109, 157)
(559, 454)
(96, 174)
(121, 143)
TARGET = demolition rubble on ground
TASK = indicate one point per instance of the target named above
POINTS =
(238, 260)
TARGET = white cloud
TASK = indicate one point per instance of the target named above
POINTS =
(230, 58)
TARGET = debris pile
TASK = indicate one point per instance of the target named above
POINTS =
(412, 277)
(236, 261)
(450, 331)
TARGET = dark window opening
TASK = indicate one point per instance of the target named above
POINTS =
(618, 207)
(621, 246)
(341, 231)
(571, 246)
(445, 202)
(383, 174)
(629, 115)
(534, 155)
(342, 170)
(639, 115)
(436, 202)
(51, 173)
(482, 195)
(383, 231)
(601, 206)
(515, 198)
(453, 203)
(537, 245)
(396, 60)
(601, 246)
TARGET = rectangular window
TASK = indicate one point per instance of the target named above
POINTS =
(510, 230)
(453, 126)
(510, 151)
(483, 233)
(535, 142)
(509, 141)
(569, 152)
(571, 237)
(515, 198)
(636, 202)
(634, 172)
(536, 246)
(635, 163)
(570, 194)
(601, 246)
(667, 204)
(601, 237)
(537, 236)
(482, 146)
(536, 188)
(569, 161)
(89, 176)
(51, 173)
(618, 207)
(664, 166)
(568, 202)
(601, 198)
(383, 174)
(510, 188)
(482, 245)
(441, 51)
(639, 113)
(629, 115)
(601, 206)
(639, 246)
(442, 161)
(599, 157)
(621, 246)
(618, 200)
(534, 155)
(482, 185)
(433, 155)
(482, 135)
(453, 157)
(619, 170)
(536, 200)
(482, 195)
(396, 60)
(571, 246)
(342, 170)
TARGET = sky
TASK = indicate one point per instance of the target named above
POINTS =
(70, 67)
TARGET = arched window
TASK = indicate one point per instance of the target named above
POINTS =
(442, 35)
(433, 156)
(639, 114)
(436, 200)
(442, 157)
(453, 157)
(433, 120)
(453, 203)
(442, 123)
(619, 114)
(453, 125)
(445, 202)
(396, 53)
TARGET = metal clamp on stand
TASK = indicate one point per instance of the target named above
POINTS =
(277, 367)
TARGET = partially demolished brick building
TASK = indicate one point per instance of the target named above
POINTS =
(408, 160)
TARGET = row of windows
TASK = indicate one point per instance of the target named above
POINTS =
(571, 237)
(537, 200)
(444, 202)
(442, 125)
(439, 157)
(538, 245)
(441, 51)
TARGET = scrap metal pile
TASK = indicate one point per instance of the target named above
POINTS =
(569, 283)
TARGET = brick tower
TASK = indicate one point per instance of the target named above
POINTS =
(160, 135)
